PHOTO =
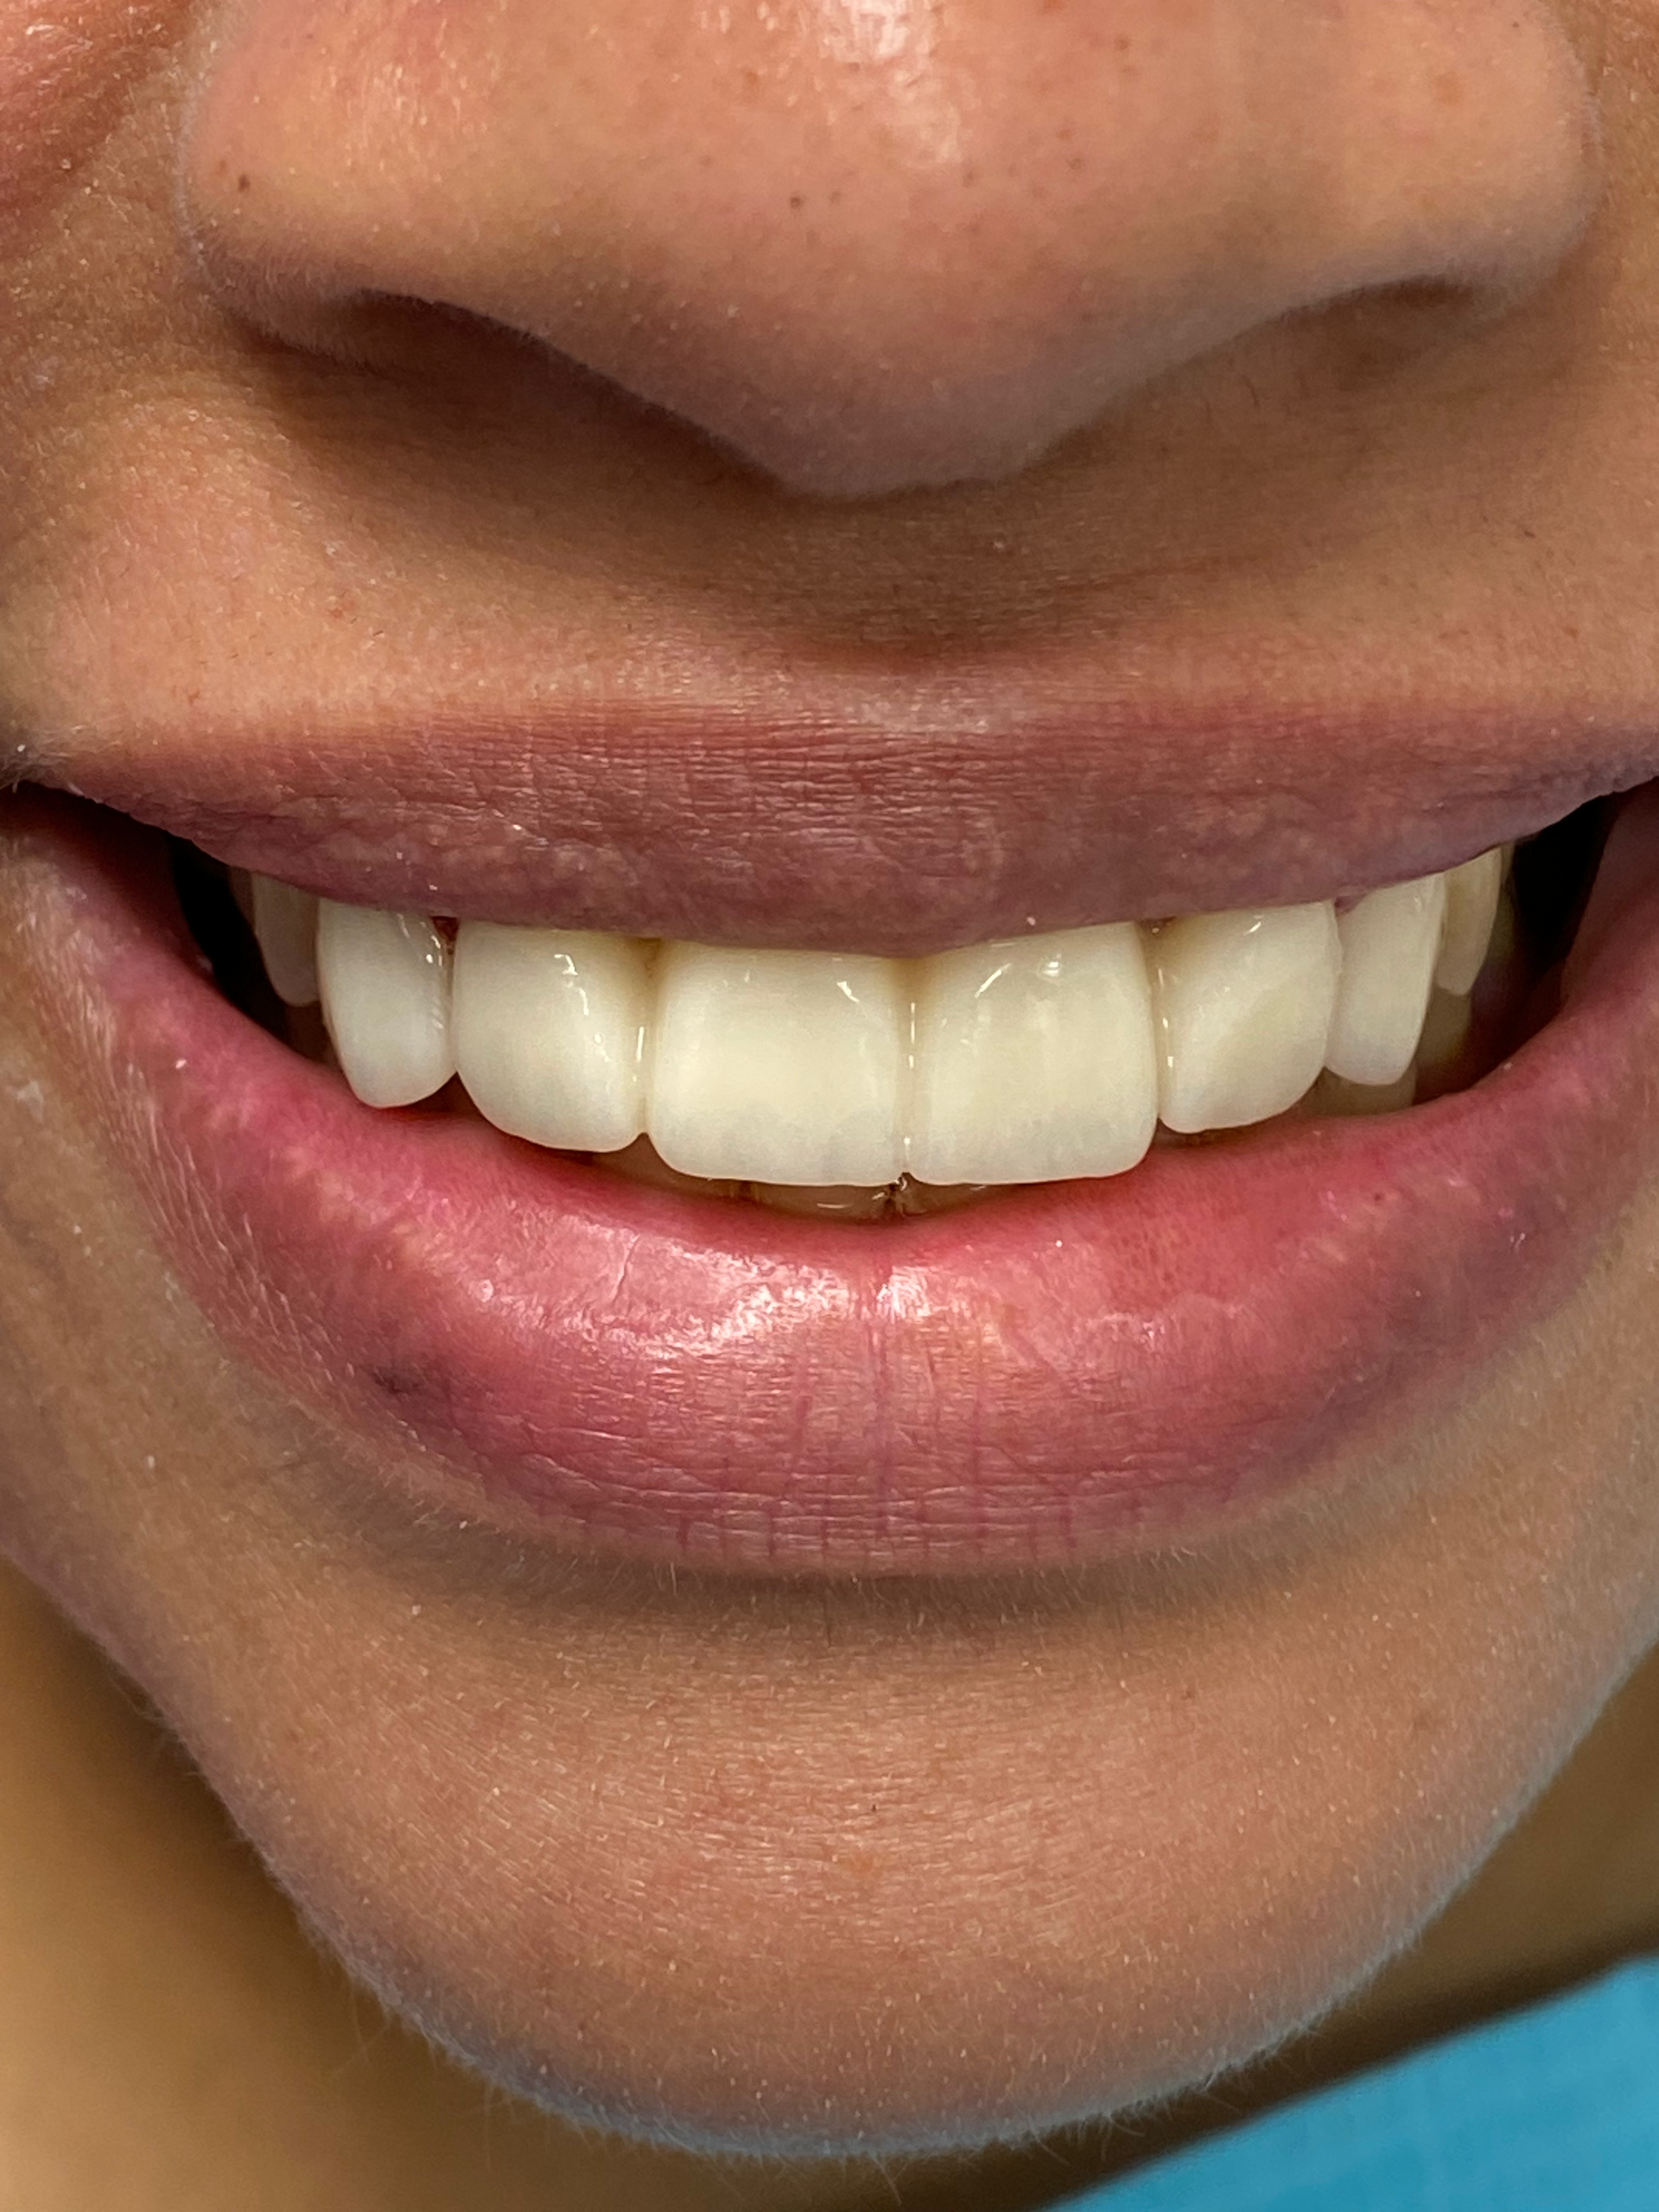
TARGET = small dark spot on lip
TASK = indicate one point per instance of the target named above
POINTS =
(798, 200)
(396, 1382)
(244, 182)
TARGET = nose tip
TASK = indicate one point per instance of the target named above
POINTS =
(883, 243)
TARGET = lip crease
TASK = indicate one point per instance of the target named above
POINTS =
(1057, 1377)
(820, 833)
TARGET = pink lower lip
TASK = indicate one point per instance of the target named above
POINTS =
(1057, 1377)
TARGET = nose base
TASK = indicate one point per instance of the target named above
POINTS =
(863, 273)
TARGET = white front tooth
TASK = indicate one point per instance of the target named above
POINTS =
(1390, 940)
(1244, 1003)
(779, 1067)
(1034, 1060)
(549, 1026)
(385, 998)
(285, 922)
(1471, 909)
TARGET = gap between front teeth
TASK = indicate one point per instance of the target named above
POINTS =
(1029, 1060)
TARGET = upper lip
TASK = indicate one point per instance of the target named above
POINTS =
(835, 832)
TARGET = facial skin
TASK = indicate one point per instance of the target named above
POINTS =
(878, 357)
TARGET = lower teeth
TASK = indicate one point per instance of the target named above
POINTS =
(641, 1162)
(1457, 1034)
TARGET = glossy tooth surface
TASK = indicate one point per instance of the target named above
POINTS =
(285, 922)
(1034, 1060)
(1390, 941)
(386, 997)
(779, 1067)
(1472, 894)
(1243, 1004)
(548, 1027)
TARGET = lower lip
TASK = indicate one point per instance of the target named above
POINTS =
(1058, 1376)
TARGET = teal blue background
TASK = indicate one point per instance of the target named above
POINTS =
(1556, 2109)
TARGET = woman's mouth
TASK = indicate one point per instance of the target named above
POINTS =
(1103, 1238)
(856, 1086)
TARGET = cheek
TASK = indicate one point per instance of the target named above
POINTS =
(120, 1418)
(64, 73)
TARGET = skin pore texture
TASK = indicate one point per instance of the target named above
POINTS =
(382, 372)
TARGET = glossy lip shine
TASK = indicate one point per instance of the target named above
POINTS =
(1057, 1377)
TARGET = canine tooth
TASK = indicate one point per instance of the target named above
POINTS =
(285, 922)
(780, 1067)
(1034, 1059)
(1471, 909)
(548, 1027)
(1243, 1004)
(386, 997)
(1390, 941)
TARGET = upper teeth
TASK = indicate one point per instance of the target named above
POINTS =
(1024, 1061)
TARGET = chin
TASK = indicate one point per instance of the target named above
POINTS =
(892, 1866)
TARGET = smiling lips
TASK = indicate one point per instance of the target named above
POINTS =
(1054, 1375)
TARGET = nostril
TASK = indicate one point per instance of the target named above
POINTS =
(864, 271)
